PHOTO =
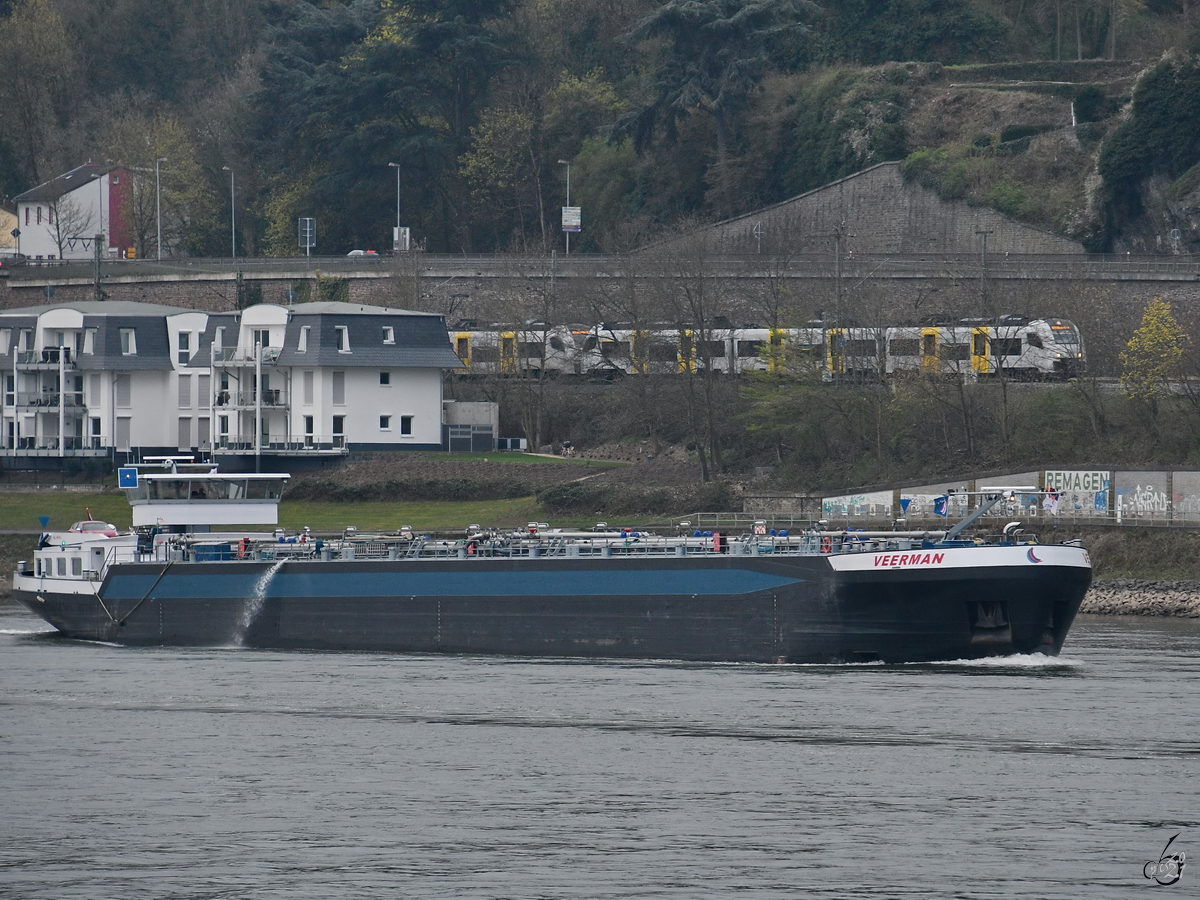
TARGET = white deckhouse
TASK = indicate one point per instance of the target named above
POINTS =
(91, 378)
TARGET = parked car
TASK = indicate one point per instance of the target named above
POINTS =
(94, 528)
(362, 253)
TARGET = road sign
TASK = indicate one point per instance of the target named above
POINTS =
(308, 233)
(127, 477)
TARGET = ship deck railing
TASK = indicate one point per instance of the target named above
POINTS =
(388, 547)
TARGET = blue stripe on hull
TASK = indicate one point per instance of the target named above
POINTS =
(215, 583)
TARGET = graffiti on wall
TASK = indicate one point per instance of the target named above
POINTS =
(877, 504)
(1077, 492)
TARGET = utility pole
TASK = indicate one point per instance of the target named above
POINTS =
(158, 199)
(98, 247)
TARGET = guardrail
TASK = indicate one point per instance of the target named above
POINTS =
(657, 260)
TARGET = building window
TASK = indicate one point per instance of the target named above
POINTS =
(185, 354)
(39, 215)
(343, 339)
(89, 341)
(5, 340)
(339, 388)
(389, 334)
(406, 425)
(116, 179)
(185, 392)
(128, 342)
(262, 336)
(385, 423)
(204, 392)
(122, 388)
(219, 340)
(27, 215)
(339, 431)
(302, 343)
(385, 377)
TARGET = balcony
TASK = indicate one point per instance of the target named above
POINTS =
(237, 357)
(308, 445)
(47, 399)
(272, 398)
(46, 359)
(49, 447)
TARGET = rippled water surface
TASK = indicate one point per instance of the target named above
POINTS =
(165, 773)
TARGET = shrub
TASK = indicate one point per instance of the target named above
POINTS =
(1016, 132)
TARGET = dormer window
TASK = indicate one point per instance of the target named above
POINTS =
(302, 343)
(343, 339)
(128, 342)
(389, 334)
(185, 353)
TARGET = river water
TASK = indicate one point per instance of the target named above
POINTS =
(166, 773)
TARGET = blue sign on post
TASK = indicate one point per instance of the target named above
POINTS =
(127, 477)
(45, 520)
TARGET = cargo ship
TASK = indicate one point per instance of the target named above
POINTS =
(767, 595)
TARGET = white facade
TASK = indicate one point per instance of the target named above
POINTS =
(60, 219)
(89, 378)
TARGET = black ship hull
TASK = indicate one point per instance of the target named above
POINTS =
(800, 609)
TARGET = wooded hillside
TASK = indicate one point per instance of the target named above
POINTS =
(692, 109)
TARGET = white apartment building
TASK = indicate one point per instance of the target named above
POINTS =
(91, 378)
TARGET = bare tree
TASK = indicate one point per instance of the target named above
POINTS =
(71, 224)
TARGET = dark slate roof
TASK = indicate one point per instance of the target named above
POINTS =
(153, 345)
(108, 318)
(125, 308)
(65, 183)
(421, 340)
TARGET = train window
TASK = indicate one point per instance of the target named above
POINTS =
(1033, 340)
(662, 352)
(715, 349)
(462, 347)
(1006, 346)
(590, 343)
(929, 345)
(955, 351)
(486, 354)
(748, 349)
(556, 343)
(979, 344)
(532, 350)
(904, 347)
(860, 348)
(614, 349)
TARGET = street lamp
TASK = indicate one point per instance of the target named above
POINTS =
(567, 163)
(232, 215)
(396, 237)
(158, 200)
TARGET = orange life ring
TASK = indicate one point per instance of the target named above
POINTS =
(826, 544)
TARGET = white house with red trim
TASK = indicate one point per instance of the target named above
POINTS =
(61, 218)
